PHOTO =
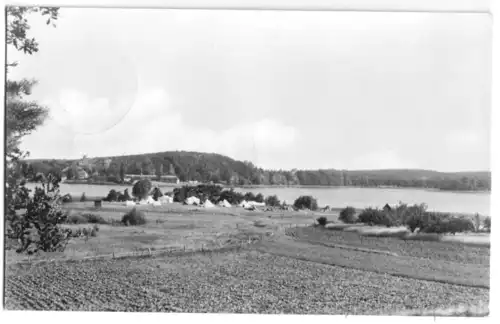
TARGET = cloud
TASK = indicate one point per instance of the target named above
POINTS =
(151, 125)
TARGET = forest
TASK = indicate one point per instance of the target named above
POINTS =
(216, 168)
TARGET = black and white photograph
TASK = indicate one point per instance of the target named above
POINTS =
(321, 162)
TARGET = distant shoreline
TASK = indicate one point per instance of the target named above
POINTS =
(174, 185)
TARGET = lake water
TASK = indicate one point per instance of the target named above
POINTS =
(460, 202)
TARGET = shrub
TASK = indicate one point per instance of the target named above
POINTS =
(373, 216)
(249, 196)
(77, 219)
(83, 197)
(487, 223)
(141, 189)
(156, 193)
(447, 225)
(126, 195)
(306, 202)
(348, 215)
(272, 201)
(134, 217)
(322, 220)
(112, 196)
(259, 198)
(67, 198)
(38, 228)
(232, 197)
(94, 218)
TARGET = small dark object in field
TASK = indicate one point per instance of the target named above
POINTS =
(83, 197)
(348, 215)
(93, 232)
(322, 220)
(134, 217)
(67, 198)
(97, 203)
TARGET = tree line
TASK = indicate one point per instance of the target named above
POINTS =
(216, 168)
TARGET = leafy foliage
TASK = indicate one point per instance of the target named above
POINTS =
(348, 215)
(134, 217)
(374, 216)
(259, 198)
(273, 201)
(86, 218)
(38, 228)
(18, 26)
(112, 196)
(487, 223)
(304, 202)
(141, 189)
(206, 167)
(156, 193)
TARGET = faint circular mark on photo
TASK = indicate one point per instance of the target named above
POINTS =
(96, 88)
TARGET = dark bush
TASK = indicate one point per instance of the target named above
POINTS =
(460, 224)
(67, 198)
(259, 198)
(38, 228)
(348, 215)
(120, 197)
(272, 201)
(94, 218)
(134, 217)
(304, 202)
(373, 216)
(322, 220)
(487, 223)
(112, 196)
(77, 219)
(83, 197)
(249, 196)
(156, 193)
(141, 189)
(232, 197)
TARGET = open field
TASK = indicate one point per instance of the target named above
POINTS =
(232, 260)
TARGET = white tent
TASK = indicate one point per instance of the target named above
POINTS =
(249, 207)
(243, 203)
(224, 203)
(166, 199)
(208, 204)
(192, 201)
(156, 203)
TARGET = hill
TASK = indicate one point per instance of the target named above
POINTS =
(206, 167)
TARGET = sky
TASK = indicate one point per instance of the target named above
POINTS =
(283, 89)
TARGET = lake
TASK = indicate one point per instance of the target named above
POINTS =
(445, 201)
